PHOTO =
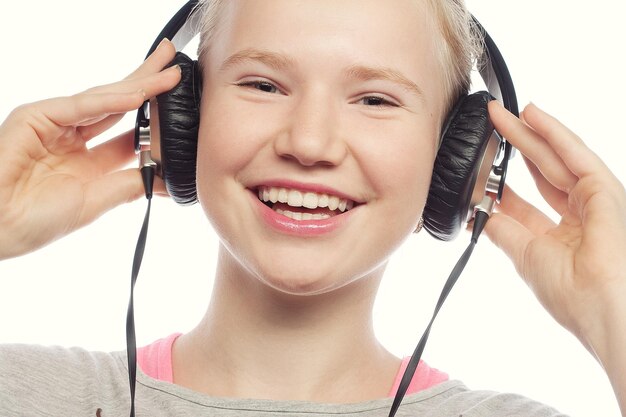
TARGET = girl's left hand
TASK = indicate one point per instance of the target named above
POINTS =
(576, 268)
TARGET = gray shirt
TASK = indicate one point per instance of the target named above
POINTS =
(55, 381)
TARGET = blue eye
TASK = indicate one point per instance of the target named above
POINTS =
(263, 86)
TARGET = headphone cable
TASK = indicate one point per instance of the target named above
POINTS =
(480, 220)
(147, 175)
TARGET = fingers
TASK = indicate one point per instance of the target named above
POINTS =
(151, 86)
(115, 153)
(555, 197)
(152, 83)
(162, 55)
(159, 188)
(524, 213)
(99, 108)
(74, 110)
(510, 236)
(112, 190)
(533, 146)
(515, 225)
(95, 109)
(152, 66)
(570, 148)
(92, 130)
(514, 228)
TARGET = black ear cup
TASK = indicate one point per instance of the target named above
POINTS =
(179, 119)
(463, 143)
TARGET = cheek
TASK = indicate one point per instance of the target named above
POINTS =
(228, 139)
(401, 160)
(223, 140)
(220, 152)
(234, 132)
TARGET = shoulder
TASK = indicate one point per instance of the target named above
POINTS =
(27, 360)
(454, 398)
(53, 380)
(50, 378)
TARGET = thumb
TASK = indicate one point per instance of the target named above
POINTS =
(110, 191)
(510, 236)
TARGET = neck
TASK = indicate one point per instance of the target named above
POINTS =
(255, 342)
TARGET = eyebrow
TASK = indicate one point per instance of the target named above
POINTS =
(280, 62)
(271, 59)
(365, 73)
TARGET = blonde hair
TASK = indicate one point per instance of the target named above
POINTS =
(461, 46)
(460, 42)
(210, 10)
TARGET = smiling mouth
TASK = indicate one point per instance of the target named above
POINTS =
(303, 205)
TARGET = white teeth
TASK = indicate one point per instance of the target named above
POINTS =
(322, 201)
(282, 195)
(333, 202)
(303, 216)
(310, 200)
(273, 195)
(295, 198)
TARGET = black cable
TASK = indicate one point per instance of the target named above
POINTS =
(480, 220)
(147, 174)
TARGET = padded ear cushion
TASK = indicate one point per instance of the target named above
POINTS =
(463, 143)
(179, 118)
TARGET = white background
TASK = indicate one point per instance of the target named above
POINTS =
(566, 56)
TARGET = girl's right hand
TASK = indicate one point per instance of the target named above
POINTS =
(50, 183)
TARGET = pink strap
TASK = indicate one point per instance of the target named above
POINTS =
(155, 360)
(425, 377)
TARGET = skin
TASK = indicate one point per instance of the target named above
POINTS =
(575, 268)
(315, 128)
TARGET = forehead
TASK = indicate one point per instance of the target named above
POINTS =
(321, 34)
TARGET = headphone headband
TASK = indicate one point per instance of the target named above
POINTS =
(495, 73)
(181, 28)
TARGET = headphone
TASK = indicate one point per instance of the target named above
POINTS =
(469, 170)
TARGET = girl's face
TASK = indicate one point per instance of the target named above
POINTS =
(330, 112)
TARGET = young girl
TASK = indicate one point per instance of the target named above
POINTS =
(290, 317)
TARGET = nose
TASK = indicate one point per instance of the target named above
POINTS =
(312, 136)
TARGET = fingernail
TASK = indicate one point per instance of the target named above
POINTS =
(143, 93)
(532, 104)
(178, 68)
(164, 40)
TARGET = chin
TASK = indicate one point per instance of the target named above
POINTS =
(311, 281)
(302, 285)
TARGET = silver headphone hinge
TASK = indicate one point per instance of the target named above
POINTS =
(145, 159)
(486, 205)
